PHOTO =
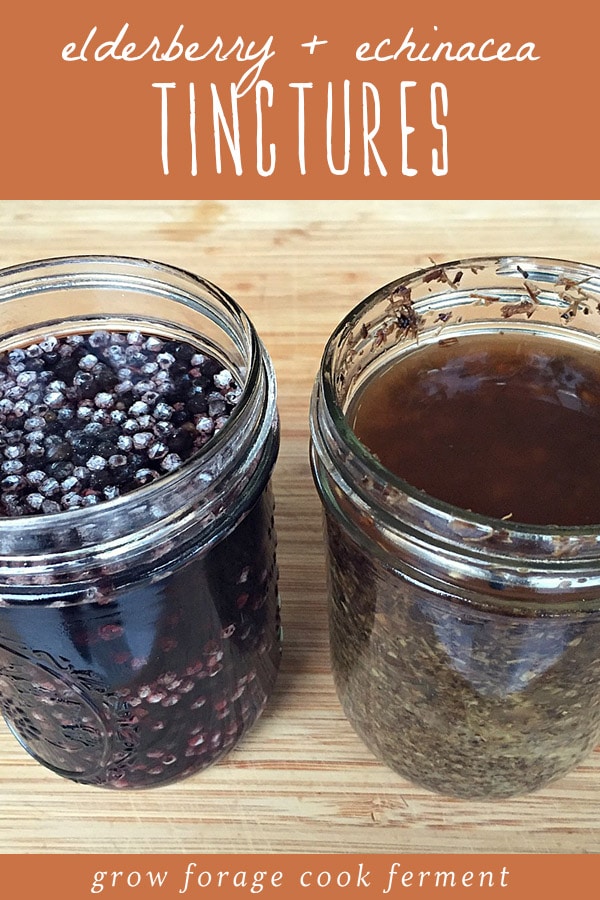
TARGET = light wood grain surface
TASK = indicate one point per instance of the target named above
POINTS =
(302, 780)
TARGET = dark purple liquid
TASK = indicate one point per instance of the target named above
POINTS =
(159, 672)
(153, 681)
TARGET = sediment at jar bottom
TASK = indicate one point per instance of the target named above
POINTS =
(464, 702)
(156, 681)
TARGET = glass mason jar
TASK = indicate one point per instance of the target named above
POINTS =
(465, 649)
(140, 638)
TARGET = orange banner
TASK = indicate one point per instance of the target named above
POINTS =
(297, 877)
(323, 100)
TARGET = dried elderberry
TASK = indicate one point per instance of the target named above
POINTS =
(127, 407)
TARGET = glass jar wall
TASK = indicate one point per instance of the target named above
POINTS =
(465, 648)
(139, 635)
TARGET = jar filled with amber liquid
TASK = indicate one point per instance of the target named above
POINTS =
(455, 445)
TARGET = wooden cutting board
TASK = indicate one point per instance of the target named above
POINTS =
(302, 780)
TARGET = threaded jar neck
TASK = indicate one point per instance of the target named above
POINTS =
(202, 499)
(462, 550)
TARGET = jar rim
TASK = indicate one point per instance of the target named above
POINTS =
(370, 465)
(75, 269)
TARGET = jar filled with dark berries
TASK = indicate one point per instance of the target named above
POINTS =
(455, 435)
(139, 614)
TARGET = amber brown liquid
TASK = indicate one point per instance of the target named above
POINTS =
(504, 425)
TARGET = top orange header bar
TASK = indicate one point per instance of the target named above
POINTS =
(130, 100)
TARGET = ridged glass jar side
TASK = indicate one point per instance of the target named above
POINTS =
(464, 648)
(139, 638)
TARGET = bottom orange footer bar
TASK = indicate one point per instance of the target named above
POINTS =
(290, 876)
